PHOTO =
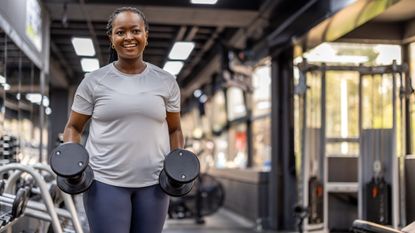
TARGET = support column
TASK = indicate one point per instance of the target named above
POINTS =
(57, 120)
(282, 186)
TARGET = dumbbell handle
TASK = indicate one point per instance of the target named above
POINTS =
(75, 179)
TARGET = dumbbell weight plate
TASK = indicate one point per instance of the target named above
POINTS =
(75, 188)
(167, 187)
(181, 166)
(2, 186)
(69, 159)
(19, 203)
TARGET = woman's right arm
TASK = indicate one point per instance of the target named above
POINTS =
(74, 127)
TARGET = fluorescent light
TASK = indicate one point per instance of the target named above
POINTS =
(173, 67)
(5, 85)
(89, 64)
(34, 97)
(83, 46)
(181, 50)
(197, 93)
(204, 1)
(203, 98)
(48, 110)
(45, 101)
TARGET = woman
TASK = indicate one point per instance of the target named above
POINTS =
(134, 109)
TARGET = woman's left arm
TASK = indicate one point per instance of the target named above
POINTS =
(175, 130)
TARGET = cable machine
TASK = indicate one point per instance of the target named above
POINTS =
(376, 185)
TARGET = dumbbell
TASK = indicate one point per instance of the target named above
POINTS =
(181, 168)
(70, 162)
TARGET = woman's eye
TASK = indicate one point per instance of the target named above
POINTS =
(120, 33)
(136, 31)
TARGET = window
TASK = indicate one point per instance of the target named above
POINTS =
(236, 103)
(261, 81)
(261, 140)
(237, 150)
(216, 111)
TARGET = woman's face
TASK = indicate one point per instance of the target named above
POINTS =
(129, 35)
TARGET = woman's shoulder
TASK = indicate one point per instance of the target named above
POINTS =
(97, 74)
(159, 72)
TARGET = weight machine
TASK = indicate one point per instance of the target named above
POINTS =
(376, 164)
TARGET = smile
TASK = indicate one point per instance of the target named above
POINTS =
(130, 45)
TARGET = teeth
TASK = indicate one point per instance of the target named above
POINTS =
(130, 45)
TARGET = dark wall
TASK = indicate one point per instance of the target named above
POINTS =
(246, 193)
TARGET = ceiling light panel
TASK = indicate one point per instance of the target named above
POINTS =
(204, 1)
(173, 67)
(181, 50)
(89, 64)
(83, 46)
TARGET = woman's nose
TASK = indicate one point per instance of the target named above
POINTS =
(129, 35)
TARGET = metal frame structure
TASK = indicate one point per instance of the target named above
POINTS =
(330, 187)
(37, 210)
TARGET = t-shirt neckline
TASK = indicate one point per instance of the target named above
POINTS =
(122, 74)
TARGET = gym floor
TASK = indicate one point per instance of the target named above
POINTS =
(221, 222)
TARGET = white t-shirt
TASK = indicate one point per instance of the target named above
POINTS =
(128, 136)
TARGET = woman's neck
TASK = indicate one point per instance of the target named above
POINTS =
(135, 66)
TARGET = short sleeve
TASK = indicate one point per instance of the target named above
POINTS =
(83, 101)
(173, 102)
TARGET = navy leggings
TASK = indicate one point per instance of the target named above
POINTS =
(112, 209)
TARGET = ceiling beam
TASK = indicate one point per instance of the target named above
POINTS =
(162, 15)
(56, 51)
(92, 31)
(238, 39)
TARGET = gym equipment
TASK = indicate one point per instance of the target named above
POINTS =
(15, 208)
(361, 226)
(20, 202)
(181, 168)
(377, 146)
(46, 210)
(205, 199)
(311, 94)
(316, 201)
(9, 147)
(70, 162)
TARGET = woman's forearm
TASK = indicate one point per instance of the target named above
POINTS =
(176, 139)
(71, 134)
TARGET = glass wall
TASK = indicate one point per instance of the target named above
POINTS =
(235, 103)
(261, 116)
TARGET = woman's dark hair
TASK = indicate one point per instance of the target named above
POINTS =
(113, 54)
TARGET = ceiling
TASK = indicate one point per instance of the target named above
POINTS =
(401, 11)
(170, 21)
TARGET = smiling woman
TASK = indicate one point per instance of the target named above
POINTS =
(124, 100)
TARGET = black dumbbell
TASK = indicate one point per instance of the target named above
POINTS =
(19, 202)
(181, 168)
(70, 162)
